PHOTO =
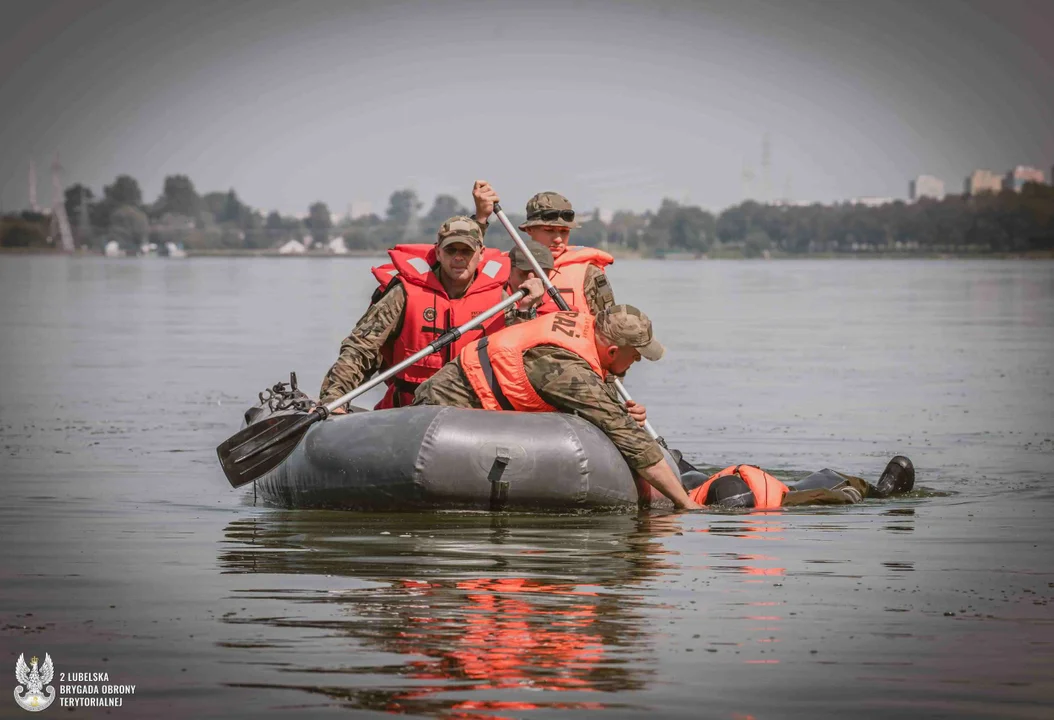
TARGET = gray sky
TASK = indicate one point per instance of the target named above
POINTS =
(615, 104)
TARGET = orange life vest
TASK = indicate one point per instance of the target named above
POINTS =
(569, 277)
(494, 364)
(430, 312)
(768, 491)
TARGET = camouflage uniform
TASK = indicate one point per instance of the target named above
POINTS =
(567, 382)
(851, 490)
(360, 353)
(597, 289)
(554, 210)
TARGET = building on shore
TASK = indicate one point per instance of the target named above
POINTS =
(1016, 178)
(926, 186)
(981, 181)
(293, 247)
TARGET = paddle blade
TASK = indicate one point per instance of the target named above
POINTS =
(254, 450)
(683, 465)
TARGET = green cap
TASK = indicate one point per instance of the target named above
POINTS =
(460, 229)
(626, 326)
(552, 209)
(540, 253)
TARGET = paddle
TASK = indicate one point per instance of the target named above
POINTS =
(254, 450)
(682, 464)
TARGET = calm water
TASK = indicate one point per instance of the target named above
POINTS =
(125, 550)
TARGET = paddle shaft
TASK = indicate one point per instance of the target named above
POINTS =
(441, 342)
(556, 296)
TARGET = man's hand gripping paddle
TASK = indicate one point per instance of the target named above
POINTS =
(254, 450)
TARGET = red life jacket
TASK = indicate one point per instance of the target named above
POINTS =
(569, 276)
(430, 313)
(494, 365)
(768, 491)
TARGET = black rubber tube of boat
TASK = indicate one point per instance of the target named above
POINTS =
(254, 440)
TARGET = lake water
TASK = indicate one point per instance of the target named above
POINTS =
(125, 551)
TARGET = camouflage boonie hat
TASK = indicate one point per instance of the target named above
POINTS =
(540, 253)
(460, 229)
(550, 208)
(625, 325)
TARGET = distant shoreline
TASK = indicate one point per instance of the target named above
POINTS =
(681, 257)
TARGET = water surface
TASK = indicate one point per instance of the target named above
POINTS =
(126, 551)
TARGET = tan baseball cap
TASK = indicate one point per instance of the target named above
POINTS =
(460, 229)
(625, 326)
(550, 208)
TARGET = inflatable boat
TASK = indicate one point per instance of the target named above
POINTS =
(429, 458)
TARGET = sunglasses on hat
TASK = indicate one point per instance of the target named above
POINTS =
(552, 215)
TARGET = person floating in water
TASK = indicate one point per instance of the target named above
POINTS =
(747, 486)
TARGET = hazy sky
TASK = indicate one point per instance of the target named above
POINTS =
(615, 104)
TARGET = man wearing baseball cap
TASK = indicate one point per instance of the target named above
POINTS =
(559, 363)
(425, 291)
(521, 275)
(578, 271)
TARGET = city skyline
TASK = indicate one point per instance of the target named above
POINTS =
(346, 102)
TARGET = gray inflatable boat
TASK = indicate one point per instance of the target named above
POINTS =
(429, 458)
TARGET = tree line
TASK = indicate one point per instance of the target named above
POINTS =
(220, 221)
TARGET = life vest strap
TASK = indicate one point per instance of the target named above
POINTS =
(488, 374)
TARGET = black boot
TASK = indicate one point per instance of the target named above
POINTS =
(898, 477)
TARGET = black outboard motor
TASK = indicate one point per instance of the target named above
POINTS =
(281, 398)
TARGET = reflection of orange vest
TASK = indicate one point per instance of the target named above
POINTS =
(429, 313)
(494, 365)
(569, 276)
(768, 491)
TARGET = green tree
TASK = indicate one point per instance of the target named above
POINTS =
(403, 207)
(130, 227)
(235, 211)
(124, 191)
(215, 203)
(319, 222)
(179, 197)
(274, 221)
(27, 230)
(757, 242)
(593, 232)
(78, 201)
(443, 208)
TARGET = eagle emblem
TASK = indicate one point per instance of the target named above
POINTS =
(31, 697)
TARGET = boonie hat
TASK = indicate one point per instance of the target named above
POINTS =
(625, 325)
(540, 253)
(460, 229)
(550, 208)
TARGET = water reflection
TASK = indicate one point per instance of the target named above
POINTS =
(483, 614)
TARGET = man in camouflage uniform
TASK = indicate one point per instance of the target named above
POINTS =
(550, 219)
(520, 272)
(566, 381)
(361, 352)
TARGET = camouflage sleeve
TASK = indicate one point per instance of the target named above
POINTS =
(360, 353)
(597, 289)
(566, 382)
(448, 387)
(482, 225)
(514, 315)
